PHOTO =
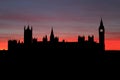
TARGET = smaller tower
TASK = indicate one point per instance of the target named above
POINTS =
(52, 36)
(81, 39)
(45, 38)
(91, 38)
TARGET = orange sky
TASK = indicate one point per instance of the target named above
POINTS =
(109, 44)
(112, 45)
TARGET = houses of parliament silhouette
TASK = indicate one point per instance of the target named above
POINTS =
(31, 44)
(57, 54)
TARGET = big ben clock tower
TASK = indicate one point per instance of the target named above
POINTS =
(102, 35)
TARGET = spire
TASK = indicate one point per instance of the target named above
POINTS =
(101, 23)
(52, 35)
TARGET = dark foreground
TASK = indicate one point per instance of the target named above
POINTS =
(59, 64)
(59, 57)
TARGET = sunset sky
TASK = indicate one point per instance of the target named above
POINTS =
(69, 18)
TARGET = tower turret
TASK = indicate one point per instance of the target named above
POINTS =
(27, 35)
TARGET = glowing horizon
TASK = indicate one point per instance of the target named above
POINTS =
(69, 19)
(108, 42)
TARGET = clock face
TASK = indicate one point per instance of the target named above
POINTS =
(101, 30)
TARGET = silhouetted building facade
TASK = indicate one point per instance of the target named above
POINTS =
(54, 43)
(12, 44)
